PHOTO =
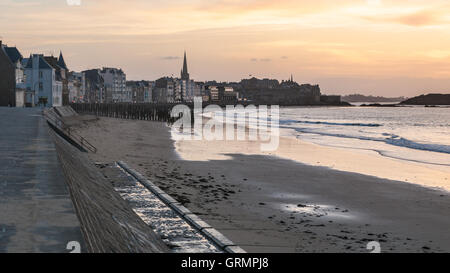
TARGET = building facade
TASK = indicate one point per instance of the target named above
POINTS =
(94, 87)
(228, 95)
(43, 84)
(164, 90)
(61, 63)
(141, 91)
(213, 92)
(12, 75)
(115, 82)
(76, 87)
(271, 92)
(61, 75)
(220, 94)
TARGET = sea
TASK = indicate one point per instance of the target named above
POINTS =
(417, 136)
(410, 133)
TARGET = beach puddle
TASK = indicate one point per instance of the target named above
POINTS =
(316, 210)
(289, 196)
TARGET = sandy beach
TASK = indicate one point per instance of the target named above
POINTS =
(280, 202)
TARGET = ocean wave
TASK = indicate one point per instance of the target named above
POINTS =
(332, 123)
(390, 139)
(403, 142)
(389, 154)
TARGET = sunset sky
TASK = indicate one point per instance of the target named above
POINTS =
(380, 47)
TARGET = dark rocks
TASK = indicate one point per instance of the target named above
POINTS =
(430, 99)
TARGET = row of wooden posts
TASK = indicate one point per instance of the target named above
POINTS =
(142, 111)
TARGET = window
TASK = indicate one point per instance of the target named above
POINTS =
(41, 86)
(41, 75)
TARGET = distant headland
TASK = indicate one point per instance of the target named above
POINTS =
(430, 99)
(425, 100)
(364, 98)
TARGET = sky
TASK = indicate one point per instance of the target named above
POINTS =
(377, 47)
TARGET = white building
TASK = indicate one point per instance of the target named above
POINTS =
(41, 80)
(187, 89)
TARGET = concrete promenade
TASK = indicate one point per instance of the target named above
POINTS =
(36, 212)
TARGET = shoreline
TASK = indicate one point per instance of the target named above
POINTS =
(269, 204)
(365, 162)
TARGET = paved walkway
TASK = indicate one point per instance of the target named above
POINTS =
(36, 213)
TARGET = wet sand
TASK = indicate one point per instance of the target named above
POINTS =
(269, 204)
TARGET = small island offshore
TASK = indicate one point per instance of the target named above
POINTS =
(430, 99)
(370, 99)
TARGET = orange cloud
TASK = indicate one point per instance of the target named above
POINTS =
(423, 18)
(240, 6)
(416, 19)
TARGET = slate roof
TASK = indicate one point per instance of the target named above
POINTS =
(25, 62)
(13, 54)
(61, 62)
(53, 62)
(42, 63)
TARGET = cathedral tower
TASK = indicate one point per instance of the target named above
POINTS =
(184, 72)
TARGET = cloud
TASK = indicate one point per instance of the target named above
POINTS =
(170, 58)
(248, 6)
(260, 60)
(423, 18)
(416, 19)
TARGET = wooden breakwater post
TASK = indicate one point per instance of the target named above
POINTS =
(140, 111)
(108, 223)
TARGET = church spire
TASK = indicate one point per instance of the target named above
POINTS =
(184, 72)
(61, 61)
(185, 69)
